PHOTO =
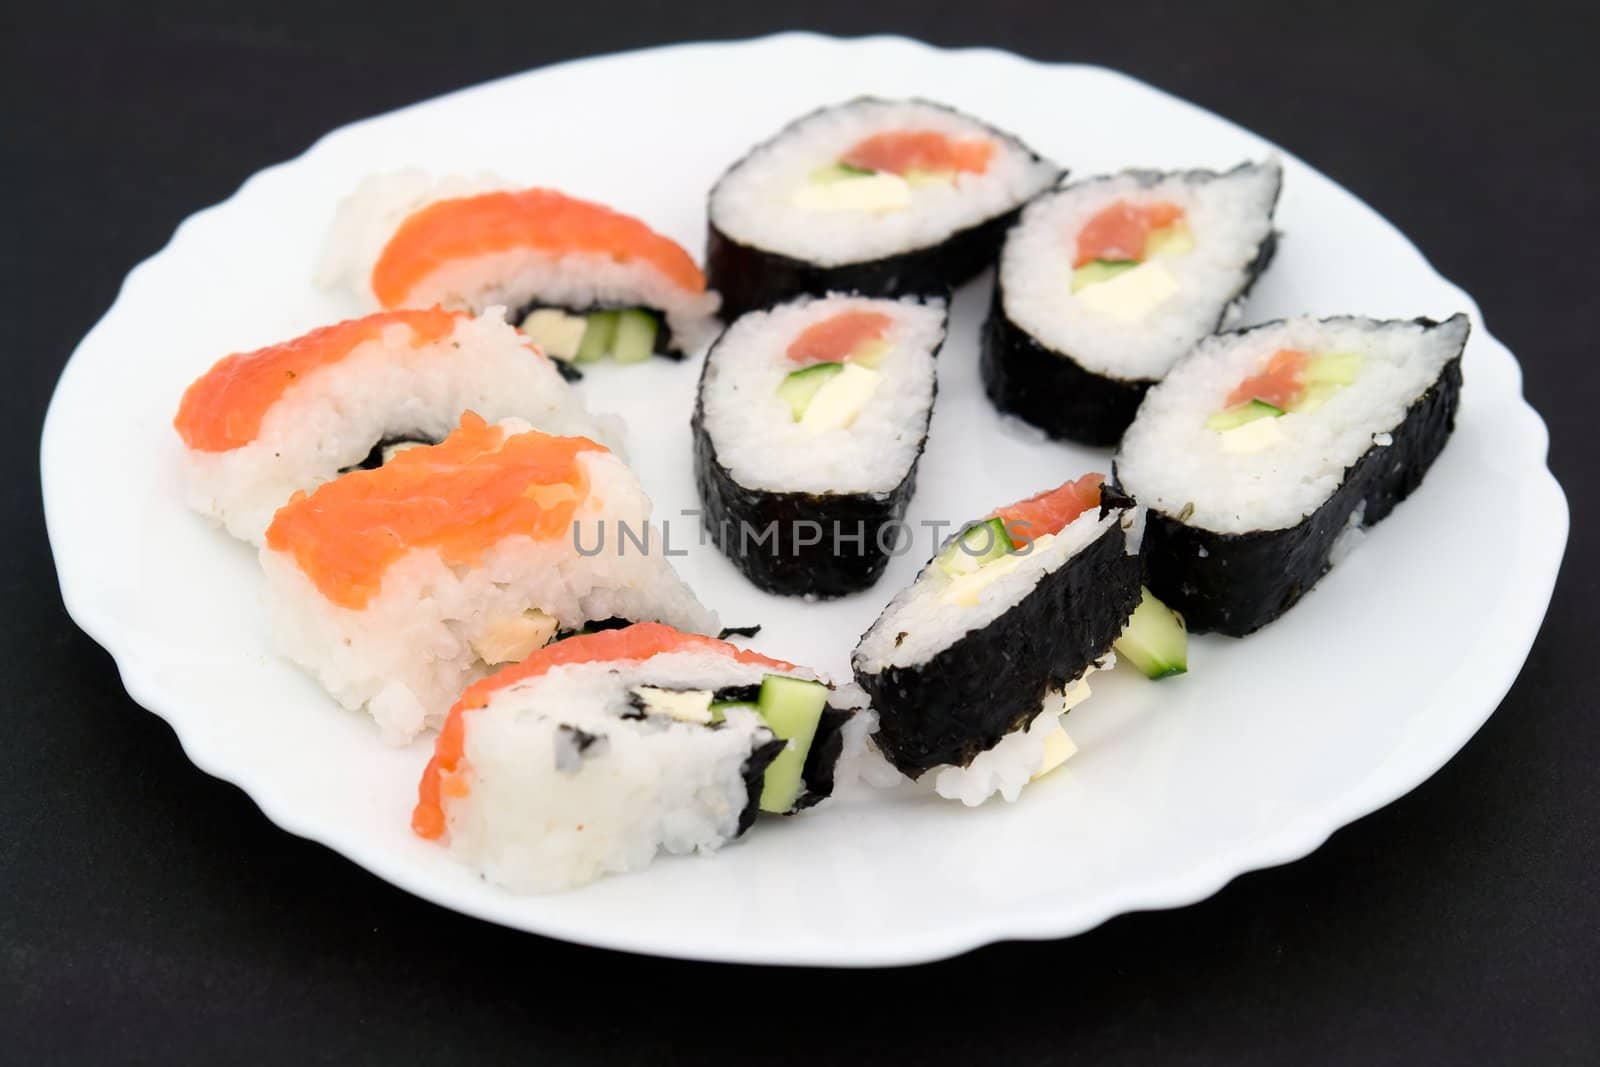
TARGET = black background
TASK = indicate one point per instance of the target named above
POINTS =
(148, 912)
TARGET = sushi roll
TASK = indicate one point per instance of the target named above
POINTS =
(1104, 283)
(1266, 451)
(597, 752)
(260, 426)
(397, 587)
(810, 423)
(880, 197)
(971, 668)
(584, 281)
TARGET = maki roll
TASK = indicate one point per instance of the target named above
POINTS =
(397, 587)
(597, 752)
(971, 668)
(582, 280)
(1265, 451)
(809, 426)
(259, 426)
(881, 197)
(1104, 283)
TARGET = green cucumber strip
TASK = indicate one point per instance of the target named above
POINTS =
(1335, 368)
(1154, 639)
(838, 172)
(800, 388)
(598, 337)
(719, 708)
(982, 542)
(1100, 270)
(792, 709)
(635, 339)
(1236, 416)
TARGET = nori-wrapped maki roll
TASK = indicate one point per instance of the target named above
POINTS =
(971, 668)
(880, 197)
(1104, 283)
(1265, 452)
(810, 422)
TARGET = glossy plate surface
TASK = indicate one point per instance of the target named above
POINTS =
(1252, 759)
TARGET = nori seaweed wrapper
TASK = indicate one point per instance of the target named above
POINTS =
(1235, 584)
(749, 278)
(993, 680)
(755, 767)
(823, 758)
(857, 532)
(1046, 387)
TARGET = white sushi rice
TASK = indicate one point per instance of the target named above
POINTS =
(1172, 462)
(369, 217)
(921, 621)
(1021, 755)
(331, 418)
(409, 652)
(538, 815)
(754, 431)
(753, 202)
(1229, 216)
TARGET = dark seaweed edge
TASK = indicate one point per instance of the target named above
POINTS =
(993, 680)
(749, 277)
(753, 772)
(1234, 584)
(810, 570)
(1048, 387)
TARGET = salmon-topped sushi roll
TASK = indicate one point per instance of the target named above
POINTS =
(877, 197)
(258, 426)
(597, 752)
(399, 586)
(584, 281)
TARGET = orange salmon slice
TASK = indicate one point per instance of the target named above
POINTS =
(460, 497)
(224, 407)
(1119, 232)
(834, 339)
(1050, 511)
(900, 151)
(539, 219)
(1279, 385)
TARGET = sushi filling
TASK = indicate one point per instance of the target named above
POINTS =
(1127, 241)
(842, 353)
(1291, 382)
(880, 173)
(624, 335)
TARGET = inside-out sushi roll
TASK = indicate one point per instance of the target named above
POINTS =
(258, 426)
(595, 753)
(397, 587)
(582, 280)
(1104, 283)
(971, 668)
(881, 197)
(811, 419)
(1265, 450)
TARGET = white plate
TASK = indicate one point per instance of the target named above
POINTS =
(1252, 759)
